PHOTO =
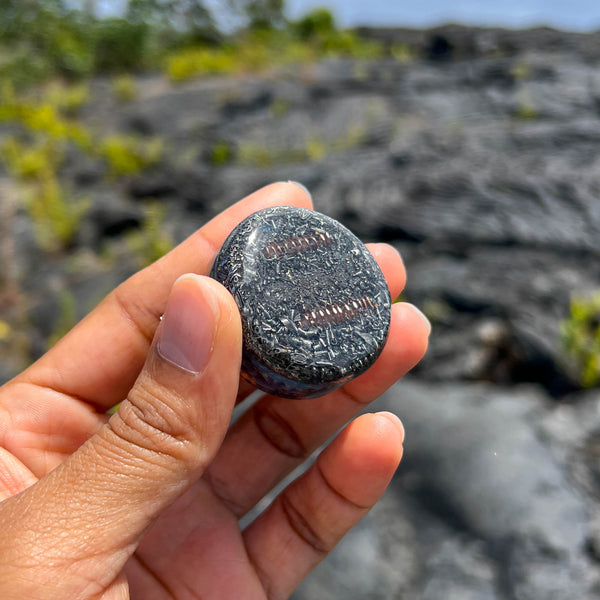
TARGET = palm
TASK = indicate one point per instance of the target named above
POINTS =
(195, 548)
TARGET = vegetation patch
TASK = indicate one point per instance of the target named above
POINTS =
(581, 338)
(34, 156)
(151, 241)
(128, 155)
(124, 88)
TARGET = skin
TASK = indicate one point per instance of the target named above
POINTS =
(146, 504)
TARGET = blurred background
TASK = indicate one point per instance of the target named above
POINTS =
(472, 147)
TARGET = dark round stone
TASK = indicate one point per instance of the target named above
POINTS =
(315, 306)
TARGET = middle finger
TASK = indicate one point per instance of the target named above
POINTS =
(276, 435)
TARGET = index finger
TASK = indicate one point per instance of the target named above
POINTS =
(99, 360)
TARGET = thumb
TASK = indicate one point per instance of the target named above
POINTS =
(94, 507)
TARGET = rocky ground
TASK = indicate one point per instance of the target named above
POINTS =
(479, 159)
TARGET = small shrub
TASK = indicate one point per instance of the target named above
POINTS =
(55, 214)
(437, 310)
(317, 22)
(30, 162)
(316, 149)
(43, 118)
(152, 241)
(581, 338)
(294, 52)
(124, 88)
(220, 154)
(526, 109)
(402, 53)
(255, 56)
(70, 53)
(128, 155)
(348, 43)
(279, 107)
(526, 112)
(195, 62)
(67, 317)
(22, 67)
(251, 153)
(521, 70)
(4, 330)
(68, 100)
(120, 45)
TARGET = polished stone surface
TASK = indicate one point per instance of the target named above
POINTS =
(315, 306)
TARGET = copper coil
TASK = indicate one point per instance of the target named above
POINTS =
(298, 244)
(336, 313)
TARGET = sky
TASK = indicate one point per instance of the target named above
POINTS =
(583, 15)
(578, 15)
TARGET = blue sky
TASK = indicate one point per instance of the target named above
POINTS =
(581, 15)
(575, 14)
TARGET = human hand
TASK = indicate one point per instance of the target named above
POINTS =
(146, 503)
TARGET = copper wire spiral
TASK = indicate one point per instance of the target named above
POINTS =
(339, 312)
(298, 244)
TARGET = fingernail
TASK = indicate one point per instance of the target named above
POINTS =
(422, 317)
(302, 187)
(395, 420)
(188, 326)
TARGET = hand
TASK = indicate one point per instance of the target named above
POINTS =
(145, 504)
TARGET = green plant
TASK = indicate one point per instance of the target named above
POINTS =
(30, 162)
(521, 70)
(436, 310)
(251, 153)
(306, 40)
(348, 43)
(70, 53)
(220, 154)
(55, 214)
(151, 242)
(402, 53)
(119, 45)
(43, 118)
(526, 112)
(279, 107)
(48, 38)
(22, 67)
(581, 338)
(124, 88)
(526, 109)
(67, 99)
(316, 149)
(67, 317)
(194, 62)
(128, 155)
(4, 330)
(317, 22)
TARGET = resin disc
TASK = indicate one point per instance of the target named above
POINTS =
(314, 304)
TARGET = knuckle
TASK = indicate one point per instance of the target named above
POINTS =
(353, 398)
(149, 420)
(278, 431)
(135, 312)
(223, 490)
(300, 522)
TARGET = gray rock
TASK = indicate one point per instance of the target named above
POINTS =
(482, 507)
(110, 216)
(474, 454)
